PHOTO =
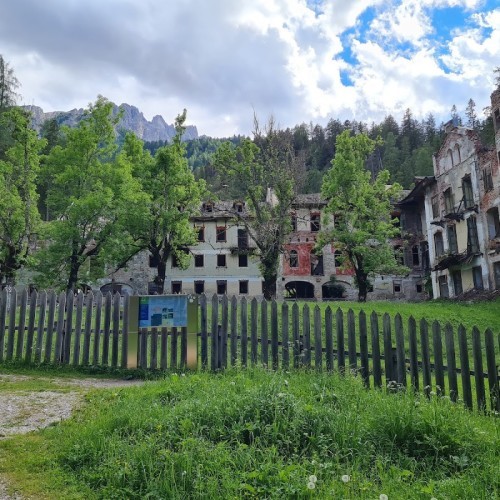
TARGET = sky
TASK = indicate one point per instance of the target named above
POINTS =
(300, 61)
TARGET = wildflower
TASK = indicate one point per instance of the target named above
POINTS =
(183, 374)
(311, 485)
(286, 382)
(383, 496)
(345, 478)
(313, 479)
(184, 472)
(233, 383)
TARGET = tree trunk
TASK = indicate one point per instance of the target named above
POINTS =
(362, 279)
(73, 272)
(269, 288)
(160, 276)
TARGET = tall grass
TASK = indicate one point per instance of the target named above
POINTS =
(257, 434)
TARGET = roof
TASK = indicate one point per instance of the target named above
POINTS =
(309, 200)
(421, 183)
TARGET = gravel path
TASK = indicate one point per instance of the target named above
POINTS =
(26, 411)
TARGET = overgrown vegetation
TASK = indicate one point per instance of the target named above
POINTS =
(257, 434)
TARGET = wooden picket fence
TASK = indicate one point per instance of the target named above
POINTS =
(83, 330)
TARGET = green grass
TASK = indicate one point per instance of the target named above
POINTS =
(256, 434)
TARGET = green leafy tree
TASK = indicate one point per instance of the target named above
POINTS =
(361, 209)
(19, 217)
(162, 225)
(264, 169)
(89, 194)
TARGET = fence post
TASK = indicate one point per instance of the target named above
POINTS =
(351, 341)
(78, 328)
(438, 358)
(363, 349)
(388, 359)
(97, 331)
(464, 366)
(244, 332)
(264, 337)
(426, 360)
(492, 371)
(40, 328)
(253, 332)
(116, 330)
(234, 330)
(12, 324)
(107, 328)
(59, 354)
(400, 351)
(285, 339)
(124, 353)
(31, 326)
(89, 309)
(204, 331)
(296, 335)
(22, 324)
(215, 332)
(451, 362)
(329, 338)
(306, 334)
(50, 327)
(377, 370)
(3, 317)
(339, 318)
(318, 347)
(478, 369)
(274, 334)
(224, 335)
(412, 329)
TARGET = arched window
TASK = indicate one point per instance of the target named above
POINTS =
(450, 157)
(294, 258)
(457, 156)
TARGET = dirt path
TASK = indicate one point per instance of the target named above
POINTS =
(23, 411)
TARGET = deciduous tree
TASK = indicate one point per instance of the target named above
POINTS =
(19, 217)
(264, 169)
(361, 209)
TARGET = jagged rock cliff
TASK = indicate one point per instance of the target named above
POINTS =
(132, 120)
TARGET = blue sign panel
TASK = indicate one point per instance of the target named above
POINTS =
(163, 310)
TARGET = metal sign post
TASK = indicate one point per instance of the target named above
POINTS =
(157, 311)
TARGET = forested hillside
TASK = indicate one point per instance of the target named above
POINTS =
(405, 148)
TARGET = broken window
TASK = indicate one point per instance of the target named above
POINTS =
(201, 233)
(243, 260)
(243, 287)
(176, 287)
(452, 239)
(199, 260)
(294, 258)
(397, 286)
(315, 222)
(487, 179)
(293, 220)
(496, 115)
(477, 278)
(316, 265)
(449, 202)
(221, 234)
(153, 261)
(242, 239)
(443, 287)
(415, 256)
(438, 244)
(199, 287)
(496, 272)
(424, 246)
(472, 237)
(467, 192)
(208, 207)
(338, 258)
(435, 206)
(238, 207)
(493, 223)
(221, 260)
(221, 287)
(456, 277)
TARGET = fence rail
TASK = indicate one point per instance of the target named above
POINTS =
(92, 330)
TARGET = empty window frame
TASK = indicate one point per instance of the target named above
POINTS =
(243, 260)
(294, 258)
(243, 287)
(153, 261)
(208, 207)
(199, 287)
(438, 244)
(467, 192)
(201, 233)
(315, 222)
(443, 287)
(293, 220)
(242, 239)
(456, 277)
(415, 255)
(176, 287)
(496, 273)
(199, 260)
(435, 206)
(472, 237)
(221, 234)
(452, 239)
(449, 201)
(493, 221)
(397, 286)
(487, 179)
(221, 260)
(477, 278)
(221, 287)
